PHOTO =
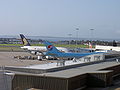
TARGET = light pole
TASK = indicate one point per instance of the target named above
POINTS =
(92, 33)
(77, 29)
(69, 38)
(91, 38)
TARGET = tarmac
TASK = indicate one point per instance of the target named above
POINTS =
(7, 59)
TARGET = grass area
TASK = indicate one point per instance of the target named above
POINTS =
(57, 45)
(7, 47)
(72, 46)
(65, 45)
(11, 45)
(38, 45)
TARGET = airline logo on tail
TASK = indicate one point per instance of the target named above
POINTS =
(50, 47)
(24, 40)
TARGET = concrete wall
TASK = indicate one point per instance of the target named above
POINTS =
(100, 79)
(25, 81)
(6, 80)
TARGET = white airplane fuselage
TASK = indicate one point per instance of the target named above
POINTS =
(112, 48)
(42, 48)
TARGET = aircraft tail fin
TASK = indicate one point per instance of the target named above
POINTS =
(24, 40)
(51, 48)
(90, 45)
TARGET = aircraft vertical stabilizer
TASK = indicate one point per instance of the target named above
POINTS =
(24, 40)
(50, 47)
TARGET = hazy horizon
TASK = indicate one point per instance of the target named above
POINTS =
(53, 38)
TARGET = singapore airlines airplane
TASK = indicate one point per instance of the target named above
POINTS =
(37, 49)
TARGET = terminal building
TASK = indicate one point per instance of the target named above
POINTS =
(17, 41)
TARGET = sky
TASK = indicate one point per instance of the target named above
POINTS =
(59, 18)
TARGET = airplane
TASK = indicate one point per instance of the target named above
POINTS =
(113, 48)
(36, 49)
(53, 51)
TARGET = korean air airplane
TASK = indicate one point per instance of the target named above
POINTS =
(53, 51)
(35, 49)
